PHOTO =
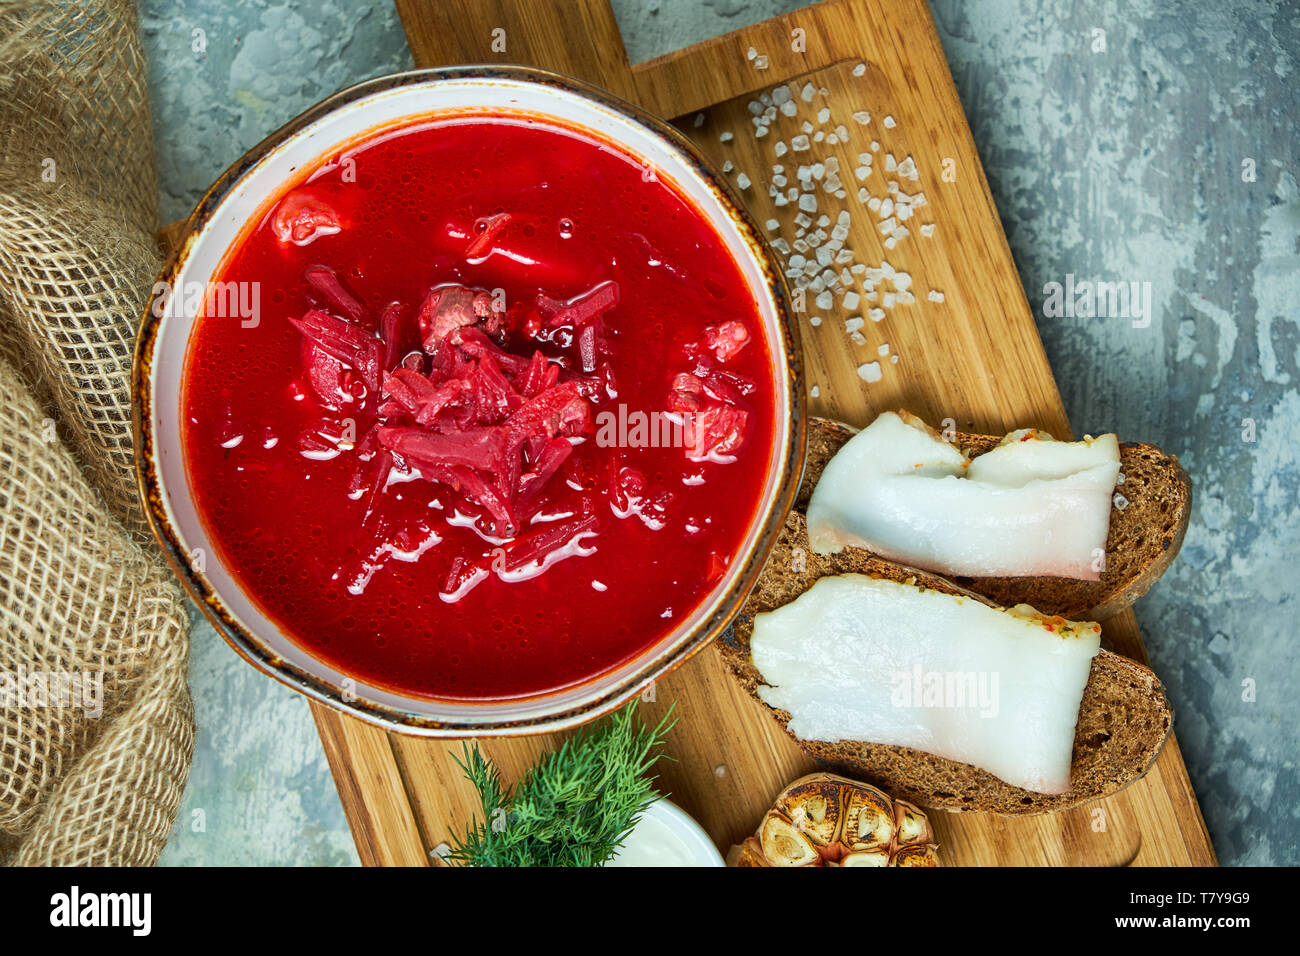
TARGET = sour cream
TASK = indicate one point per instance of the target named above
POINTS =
(667, 836)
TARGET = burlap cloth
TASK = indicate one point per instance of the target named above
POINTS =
(84, 597)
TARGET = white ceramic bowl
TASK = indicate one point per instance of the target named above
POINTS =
(666, 835)
(246, 191)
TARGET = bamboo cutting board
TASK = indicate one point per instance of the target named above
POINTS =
(974, 357)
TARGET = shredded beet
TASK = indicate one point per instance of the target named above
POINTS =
(325, 283)
(581, 310)
(460, 409)
(488, 229)
(345, 341)
(710, 400)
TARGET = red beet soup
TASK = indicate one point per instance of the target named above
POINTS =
(502, 419)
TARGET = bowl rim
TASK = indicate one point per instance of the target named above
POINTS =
(265, 659)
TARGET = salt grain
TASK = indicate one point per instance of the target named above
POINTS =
(935, 296)
(870, 372)
(889, 122)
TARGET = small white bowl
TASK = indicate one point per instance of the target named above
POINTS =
(666, 835)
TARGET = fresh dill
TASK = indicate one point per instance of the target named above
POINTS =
(574, 807)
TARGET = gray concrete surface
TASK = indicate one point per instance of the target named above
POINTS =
(1123, 164)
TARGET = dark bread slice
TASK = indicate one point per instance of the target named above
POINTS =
(1124, 717)
(1144, 536)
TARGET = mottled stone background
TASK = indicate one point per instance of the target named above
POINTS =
(1128, 164)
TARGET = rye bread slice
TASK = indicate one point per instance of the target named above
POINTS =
(1124, 718)
(1144, 535)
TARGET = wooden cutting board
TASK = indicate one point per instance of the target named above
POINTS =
(975, 358)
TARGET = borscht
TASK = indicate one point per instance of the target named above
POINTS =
(503, 419)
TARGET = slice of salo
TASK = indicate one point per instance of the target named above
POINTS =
(1031, 506)
(868, 659)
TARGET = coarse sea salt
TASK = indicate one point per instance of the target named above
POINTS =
(869, 372)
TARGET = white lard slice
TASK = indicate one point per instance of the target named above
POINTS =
(864, 659)
(1031, 506)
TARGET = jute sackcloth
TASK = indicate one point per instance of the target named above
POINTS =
(87, 777)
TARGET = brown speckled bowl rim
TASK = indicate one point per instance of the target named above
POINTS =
(257, 653)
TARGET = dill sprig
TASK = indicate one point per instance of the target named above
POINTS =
(574, 807)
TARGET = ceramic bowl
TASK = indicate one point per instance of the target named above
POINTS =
(247, 190)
